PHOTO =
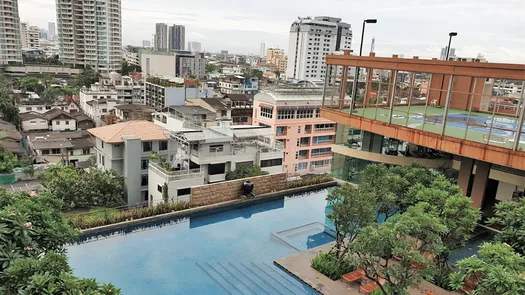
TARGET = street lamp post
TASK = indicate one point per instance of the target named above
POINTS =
(450, 35)
(356, 75)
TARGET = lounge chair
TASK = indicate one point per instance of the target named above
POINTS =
(428, 256)
(354, 276)
(371, 287)
(469, 286)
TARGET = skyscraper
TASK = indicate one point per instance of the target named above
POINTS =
(51, 31)
(310, 41)
(10, 45)
(194, 46)
(444, 50)
(161, 37)
(90, 34)
(177, 37)
(146, 43)
(263, 49)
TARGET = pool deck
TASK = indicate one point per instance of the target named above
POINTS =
(299, 265)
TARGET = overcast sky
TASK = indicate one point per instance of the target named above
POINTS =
(410, 27)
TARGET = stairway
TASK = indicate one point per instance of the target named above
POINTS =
(249, 278)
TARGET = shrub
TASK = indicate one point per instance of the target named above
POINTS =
(112, 216)
(330, 266)
(245, 171)
(309, 181)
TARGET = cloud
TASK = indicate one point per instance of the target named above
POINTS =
(409, 27)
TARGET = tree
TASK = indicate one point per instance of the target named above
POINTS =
(497, 271)
(33, 233)
(165, 192)
(446, 201)
(51, 94)
(245, 171)
(80, 189)
(351, 211)
(8, 161)
(511, 217)
(407, 237)
(126, 68)
(9, 112)
(86, 78)
(31, 84)
(210, 68)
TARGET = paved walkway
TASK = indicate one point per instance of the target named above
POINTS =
(299, 265)
(22, 186)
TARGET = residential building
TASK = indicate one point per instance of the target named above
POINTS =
(126, 147)
(161, 37)
(459, 123)
(130, 93)
(311, 39)
(69, 147)
(239, 85)
(41, 107)
(194, 46)
(90, 34)
(277, 57)
(96, 92)
(177, 37)
(51, 31)
(219, 106)
(205, 155)
(98, 109)
(11, 139)
(443, 55)
(478, 58)
(263, 50)
(174, 117)
(294, 113)
(10, 44)
(29, 36)
(160, 92)
(131, 58)
(129, 112)
(54, 120)
(184, 64)
(146, 43)
(241, 108)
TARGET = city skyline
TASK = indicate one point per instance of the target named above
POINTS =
(492, 29)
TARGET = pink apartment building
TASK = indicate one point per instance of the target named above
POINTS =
(294, 115)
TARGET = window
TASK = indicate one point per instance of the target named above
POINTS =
(224, 113)
(322, 139)
(317, 113)
(28, 108)
(303, 141)
(85, 151)
(324, 127)
(144, 180)
(322, 163)
(146, 146)
(55, 151)
(57, 122)
(67, 122)
(216, 148)
(103, 161)
(272, 162)
(183, 191)
(267, 112)
(281, 130)
(38, 108)
(104, 110)
(285, 114)
(71, 153)
(102, 144)
(307, 113)
(48, 107)
(321, 152)
(45, 152)
(159, 188)
(163, 145)
(301, 166)
(144, 164)
(214, 169)
(301, 154)
(33, 122)
(298, 129)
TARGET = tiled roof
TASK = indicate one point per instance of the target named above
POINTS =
(144, 130)
(50, 115)
(31, 115)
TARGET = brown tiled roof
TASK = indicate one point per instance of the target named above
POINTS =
(31, 115)
(50, 115)
(215, 103)
(144, 130)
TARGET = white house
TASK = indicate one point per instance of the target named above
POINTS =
(61, 147)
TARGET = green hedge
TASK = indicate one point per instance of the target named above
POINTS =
(332, 267)
(318, 179)
(111, 216)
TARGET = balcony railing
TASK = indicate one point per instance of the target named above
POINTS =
(176, 175)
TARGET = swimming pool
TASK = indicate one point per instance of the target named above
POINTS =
(228, 252)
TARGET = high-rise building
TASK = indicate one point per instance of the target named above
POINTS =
(194, 46)
(146, 43)
(90, 34)
(276, 56)
(10, 45)
(443, 55)
(161, 37)
(263, 49)
(310, 40)
(51, 31)
(29, 36)
(177, 37)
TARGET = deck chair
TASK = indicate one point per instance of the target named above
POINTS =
(354, 276)
(371, 287)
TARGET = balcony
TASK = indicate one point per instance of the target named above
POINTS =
(456, 107)
(176, 175)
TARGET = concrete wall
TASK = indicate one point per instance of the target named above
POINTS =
(35, 124)
(230, 190)
(63, 124)
(159, 65)
(131, 169)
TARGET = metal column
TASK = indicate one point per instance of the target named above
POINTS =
(392, 97)
(520, 120)
(325, 84)
(447, 103)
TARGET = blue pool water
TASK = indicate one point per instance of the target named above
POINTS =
(225, 253)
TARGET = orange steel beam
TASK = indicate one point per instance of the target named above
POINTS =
(473, 69)
(466, 148)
